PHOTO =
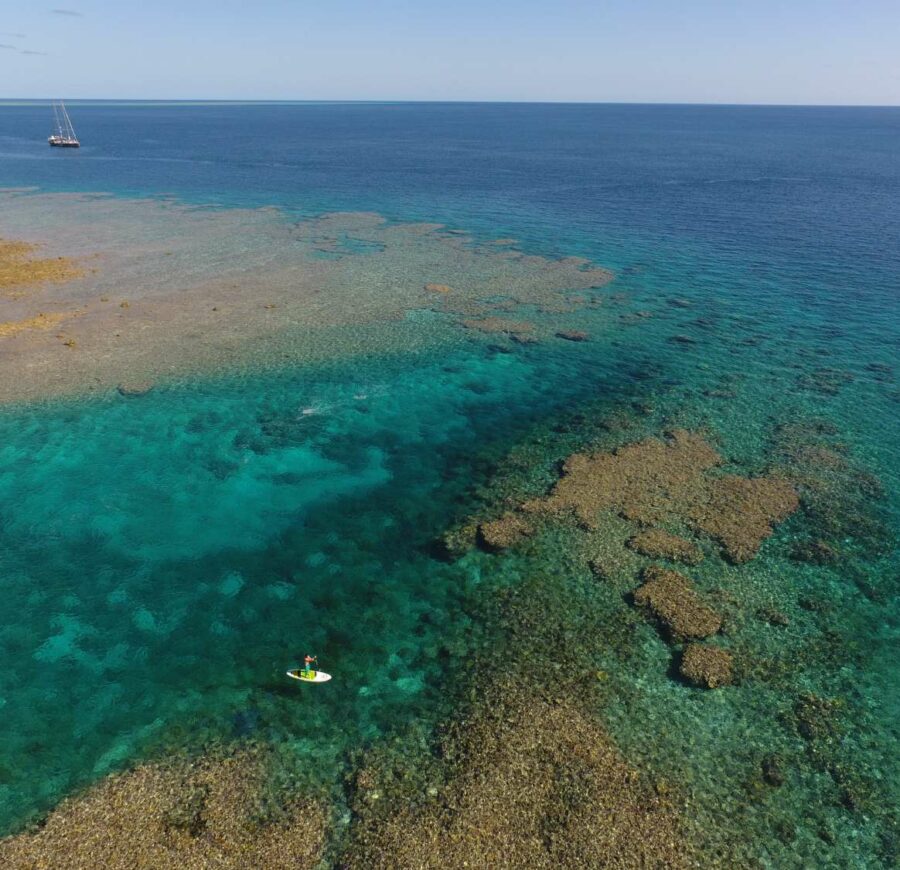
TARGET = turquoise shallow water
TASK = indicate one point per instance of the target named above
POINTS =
(164, 557)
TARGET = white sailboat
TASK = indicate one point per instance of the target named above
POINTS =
(64, 137)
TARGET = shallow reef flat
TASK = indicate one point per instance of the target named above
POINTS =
(207, 812)
(138, 290)
(530, 780)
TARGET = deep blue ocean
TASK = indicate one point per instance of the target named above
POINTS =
(154, 588)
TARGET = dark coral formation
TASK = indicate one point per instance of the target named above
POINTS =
(671, 598)
(840, 499)
(659, 544)
(536, 783)
(202, 814)
(135, 388)
(501, 325)
(573, 335)
(706, 666)
(826, 381)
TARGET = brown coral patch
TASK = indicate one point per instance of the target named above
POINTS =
(538, 784)
(658, 544)
(504, 532)
(19, 268)
(659, 481)
(187, 815)
(671, 598)
(39, 321)
(706, 666)
(740, 511)
(437, 288)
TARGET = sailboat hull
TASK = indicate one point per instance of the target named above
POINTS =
(57, 143)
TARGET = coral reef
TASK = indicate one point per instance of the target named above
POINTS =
(671, 598)
(504, 532)
(200, 814)
(535, 783)
(739, 512)
(342, 283)
(706, 666)
(514, 328)
(659, 544)
(39, 321)
(658, 481)
(19, 268)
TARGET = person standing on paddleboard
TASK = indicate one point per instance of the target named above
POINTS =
(307, 669)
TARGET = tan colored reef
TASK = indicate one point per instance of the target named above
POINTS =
(538, 784)
(177, 291)
(21, 269)
(671, 598)
(661, 481)
(179, 815)
(504, 532)
(706, 666)
(659, 544)
(39, 321)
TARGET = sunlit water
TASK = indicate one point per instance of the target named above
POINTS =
(164, 557)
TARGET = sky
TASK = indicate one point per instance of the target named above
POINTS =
(842, 52)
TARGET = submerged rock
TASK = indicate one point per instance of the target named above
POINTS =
(671, 598)
(816, 717)
(772, 770)
(816, 552)
(706, 666)
(573, 335)
(135, 388)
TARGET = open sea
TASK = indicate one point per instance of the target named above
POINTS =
(164, 559)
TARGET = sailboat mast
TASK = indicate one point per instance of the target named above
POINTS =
(70, 130)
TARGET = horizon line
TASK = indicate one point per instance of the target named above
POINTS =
(387, 101)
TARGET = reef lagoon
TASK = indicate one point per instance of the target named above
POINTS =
(565, 436)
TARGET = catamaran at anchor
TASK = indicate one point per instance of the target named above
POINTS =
(64, 137)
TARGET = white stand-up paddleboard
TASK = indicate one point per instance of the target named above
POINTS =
(315, 676)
